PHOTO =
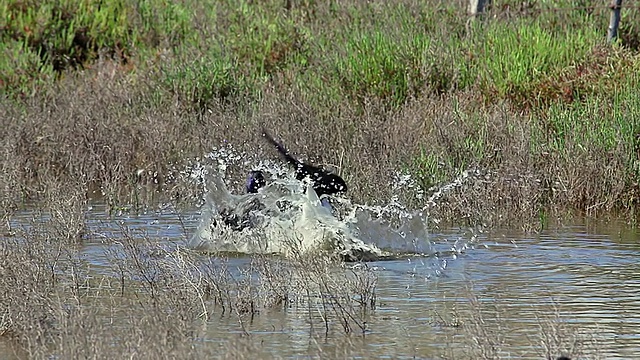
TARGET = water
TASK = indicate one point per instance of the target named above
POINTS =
(581, 280)
(584, 276)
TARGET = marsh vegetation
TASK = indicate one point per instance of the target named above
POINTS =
(122, 97)
(118, 102)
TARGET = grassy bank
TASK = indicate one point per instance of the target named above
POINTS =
(118, 98)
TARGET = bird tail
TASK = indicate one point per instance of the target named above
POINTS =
(283, 152)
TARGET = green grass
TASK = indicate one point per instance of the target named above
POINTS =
(430, 169)
(201, 78)
(42, 38)
(604, 123)
(377, 65)
(266, 42)
(304, 46)
(514, 58)
(356, 68)
(22, 70)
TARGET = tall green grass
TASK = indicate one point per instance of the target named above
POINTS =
(514, 59)
(360, 58)
(607, 123)
(378, 65)
(43, 38)
(265, 40)
(335, 51)
(198, 79)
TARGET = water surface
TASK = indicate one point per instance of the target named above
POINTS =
(584, 276)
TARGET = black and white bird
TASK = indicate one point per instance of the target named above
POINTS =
(323, 181)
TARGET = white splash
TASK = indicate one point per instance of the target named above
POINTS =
(284, 219)
(281, 218)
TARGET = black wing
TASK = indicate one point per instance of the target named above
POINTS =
(283, 152)
(324, 182)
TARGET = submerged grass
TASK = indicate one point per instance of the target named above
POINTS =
(153, 301)
(157, 300)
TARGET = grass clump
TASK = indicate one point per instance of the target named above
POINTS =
(46, 38)
(376, 65)
(276, 40)
(514, 59)
(380, 74)
(199, 80)
(23, 72)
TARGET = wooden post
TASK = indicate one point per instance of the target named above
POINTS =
(614, 20)
(476, 7)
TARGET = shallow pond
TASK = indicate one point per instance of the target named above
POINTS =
(464, 293)
(585, 277)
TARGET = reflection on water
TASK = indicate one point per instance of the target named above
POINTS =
(588, 277)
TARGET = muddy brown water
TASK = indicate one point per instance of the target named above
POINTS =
(586, 276)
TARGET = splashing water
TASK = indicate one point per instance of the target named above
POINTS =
(283, 218)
